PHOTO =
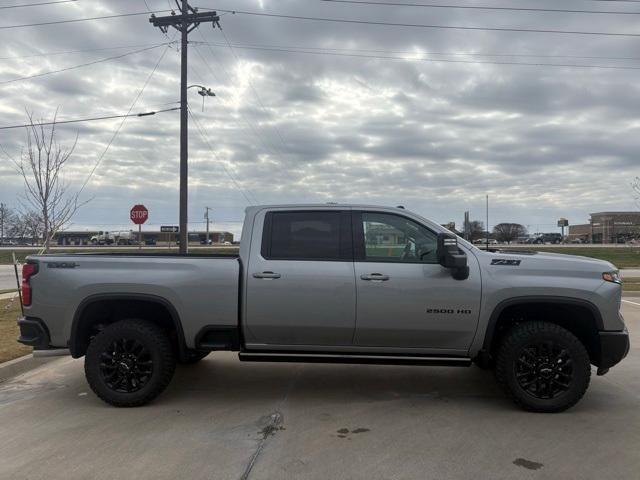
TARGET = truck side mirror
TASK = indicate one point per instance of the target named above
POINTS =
(451, 257)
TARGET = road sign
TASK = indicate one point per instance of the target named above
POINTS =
(169, 229)
(139, 214)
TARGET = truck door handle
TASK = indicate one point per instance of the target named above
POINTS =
(266, 275)
(375, 277)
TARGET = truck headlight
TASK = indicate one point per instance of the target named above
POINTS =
(613, 277)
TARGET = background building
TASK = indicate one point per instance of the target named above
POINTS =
(607, 227)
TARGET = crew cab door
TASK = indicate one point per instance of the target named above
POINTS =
(406, 299)
(300, 284)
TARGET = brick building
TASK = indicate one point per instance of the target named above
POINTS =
(607, 227)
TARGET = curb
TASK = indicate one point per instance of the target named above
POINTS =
(20, 365)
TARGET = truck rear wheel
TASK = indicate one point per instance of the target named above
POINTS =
(543, 367)
(129, 363)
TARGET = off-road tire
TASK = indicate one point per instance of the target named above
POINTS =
(193, 358)
(160, 352)
(512, 347)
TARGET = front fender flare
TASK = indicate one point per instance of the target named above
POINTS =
(542, 299)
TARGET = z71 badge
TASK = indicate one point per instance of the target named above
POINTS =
(504, 261)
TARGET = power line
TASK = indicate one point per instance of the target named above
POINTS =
(442, 60)
(255, 92)
(69, 52)
(124, 119)
(36, 4)
(93, 119)
(76, 20)
(408, 52)
(73, 67)
(206, 140)
(274, 150)
(434, 26)
(268, 146)
(477, 7)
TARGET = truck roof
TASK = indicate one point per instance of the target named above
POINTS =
(322, 205)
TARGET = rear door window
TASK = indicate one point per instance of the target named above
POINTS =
(307, 235)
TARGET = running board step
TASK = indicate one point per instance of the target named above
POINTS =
(354, 359)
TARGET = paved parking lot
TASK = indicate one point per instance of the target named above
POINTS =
(223, 419)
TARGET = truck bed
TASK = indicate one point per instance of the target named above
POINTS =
(202, 289)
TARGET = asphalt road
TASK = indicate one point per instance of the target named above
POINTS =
(7, 277)
(222, 419)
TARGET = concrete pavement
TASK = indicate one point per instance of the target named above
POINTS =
(222, 419)
(630, 272)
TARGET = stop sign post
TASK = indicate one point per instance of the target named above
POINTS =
(139, 214)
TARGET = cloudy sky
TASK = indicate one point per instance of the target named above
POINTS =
(315, 111)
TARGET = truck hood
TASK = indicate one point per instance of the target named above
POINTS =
(549, 262)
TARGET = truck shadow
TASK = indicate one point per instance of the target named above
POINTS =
(223, 375)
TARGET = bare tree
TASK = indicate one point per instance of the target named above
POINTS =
(476, 230)
(25, 227)
(6, 217)
(507, 232)
(33, 226)
(635, 185)
(42, 165)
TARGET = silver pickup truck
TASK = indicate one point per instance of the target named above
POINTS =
(332, 283)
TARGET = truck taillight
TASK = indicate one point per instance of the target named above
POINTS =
(28, 270)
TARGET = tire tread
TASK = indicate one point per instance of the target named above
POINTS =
(157, 337)
(520, 333)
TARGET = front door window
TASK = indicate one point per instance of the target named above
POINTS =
(392, 238)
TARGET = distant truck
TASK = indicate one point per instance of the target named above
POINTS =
(545, 238)
(333, 284)
(126, 237)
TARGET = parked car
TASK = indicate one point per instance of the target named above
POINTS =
(546, 238)
(126, 237)
(332, 283)
(483, 241)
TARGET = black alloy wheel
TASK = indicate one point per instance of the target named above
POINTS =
(130, 362)
(542, 366)
(544, 369)
(126, 365)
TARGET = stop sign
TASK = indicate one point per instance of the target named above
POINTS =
(139, 214)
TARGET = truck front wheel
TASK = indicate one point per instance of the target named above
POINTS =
(543, 367)
(129, 363)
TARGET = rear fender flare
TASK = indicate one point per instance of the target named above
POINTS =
(73, 341)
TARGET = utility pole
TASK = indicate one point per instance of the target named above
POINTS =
(188, 19)
(467, 227)
(206, 215)
(3, 215)
(487, 222)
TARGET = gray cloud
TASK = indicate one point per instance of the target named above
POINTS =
(544, 142)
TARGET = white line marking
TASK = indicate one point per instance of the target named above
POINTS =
(632, 303)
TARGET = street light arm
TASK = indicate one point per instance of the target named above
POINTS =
(204, 91)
